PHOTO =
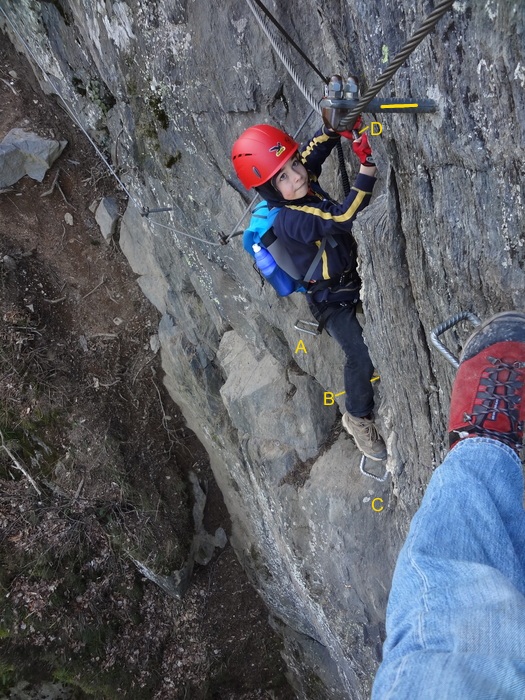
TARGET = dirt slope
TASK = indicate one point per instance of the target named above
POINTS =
(94, 459)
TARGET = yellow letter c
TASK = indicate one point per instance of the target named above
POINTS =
(377, 510)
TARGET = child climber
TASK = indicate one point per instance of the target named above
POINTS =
(316, 232)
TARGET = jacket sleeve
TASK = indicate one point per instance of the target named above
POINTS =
(318, 149)
(310, 222)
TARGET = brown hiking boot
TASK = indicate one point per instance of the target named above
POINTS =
(366, 436)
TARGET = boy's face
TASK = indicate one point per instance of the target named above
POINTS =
(292, 179)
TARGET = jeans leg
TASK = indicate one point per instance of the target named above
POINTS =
(342, 324)
(456, 612)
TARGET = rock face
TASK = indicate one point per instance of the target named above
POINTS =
(165, 87)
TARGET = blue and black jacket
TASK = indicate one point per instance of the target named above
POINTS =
(303, 224)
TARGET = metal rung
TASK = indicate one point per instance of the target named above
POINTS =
(369, 474)
(445, 326)
(310, 327)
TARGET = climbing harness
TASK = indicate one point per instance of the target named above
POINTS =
(445, 326)
(362, 469)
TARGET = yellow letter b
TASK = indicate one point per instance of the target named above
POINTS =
(329, 399)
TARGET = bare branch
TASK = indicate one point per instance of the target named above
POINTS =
(19, 466)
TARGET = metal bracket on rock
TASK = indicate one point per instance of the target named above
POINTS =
(309, 327)
(146, 211)
(369, 474)
(341, 97)
(334, 110)
(445, 326)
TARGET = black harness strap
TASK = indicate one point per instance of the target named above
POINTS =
(315, 262)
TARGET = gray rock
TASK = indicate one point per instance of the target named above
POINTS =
(445, 233)
(9, 263)
(41, 691)
(12, 165)
(202, 549)
(25, 153)
(107, 216)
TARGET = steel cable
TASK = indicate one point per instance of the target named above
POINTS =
(263, 21)
(290, 40)
(425, 29)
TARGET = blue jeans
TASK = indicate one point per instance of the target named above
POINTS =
(456, 613)
(341, 323)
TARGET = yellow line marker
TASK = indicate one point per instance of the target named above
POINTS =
(340, 393)
(398, 106)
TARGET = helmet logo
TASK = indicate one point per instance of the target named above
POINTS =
(278, 149)
(257, 173)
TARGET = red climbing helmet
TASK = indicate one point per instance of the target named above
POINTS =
(260, 152)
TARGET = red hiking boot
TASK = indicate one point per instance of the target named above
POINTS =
(488, 396)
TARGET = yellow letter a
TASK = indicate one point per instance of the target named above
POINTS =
(301, 346)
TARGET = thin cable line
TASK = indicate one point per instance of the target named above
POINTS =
(290, 40)
(144, 210)
(182, 233)
(284, 59)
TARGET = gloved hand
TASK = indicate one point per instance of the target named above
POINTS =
(362, 149)
(353, 133)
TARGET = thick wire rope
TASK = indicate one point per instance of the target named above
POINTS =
(423, 31)
(290, 40)
(71, 113)
(263, 21)
(263, 15)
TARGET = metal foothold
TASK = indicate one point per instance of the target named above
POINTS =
(369, 474)
(310, 327)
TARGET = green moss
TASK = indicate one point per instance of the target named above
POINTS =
(26, 439)
(99, 93)
(7, 676)
(155, 103)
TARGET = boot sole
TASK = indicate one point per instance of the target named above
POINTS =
(507, 326)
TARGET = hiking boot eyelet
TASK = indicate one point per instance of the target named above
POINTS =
(487, 396)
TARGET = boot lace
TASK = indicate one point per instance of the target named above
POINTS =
(500, 394)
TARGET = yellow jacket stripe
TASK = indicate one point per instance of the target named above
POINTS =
(321, 138)
(324, 260)
(338, 218)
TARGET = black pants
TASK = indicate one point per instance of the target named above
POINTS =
(341, 323)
